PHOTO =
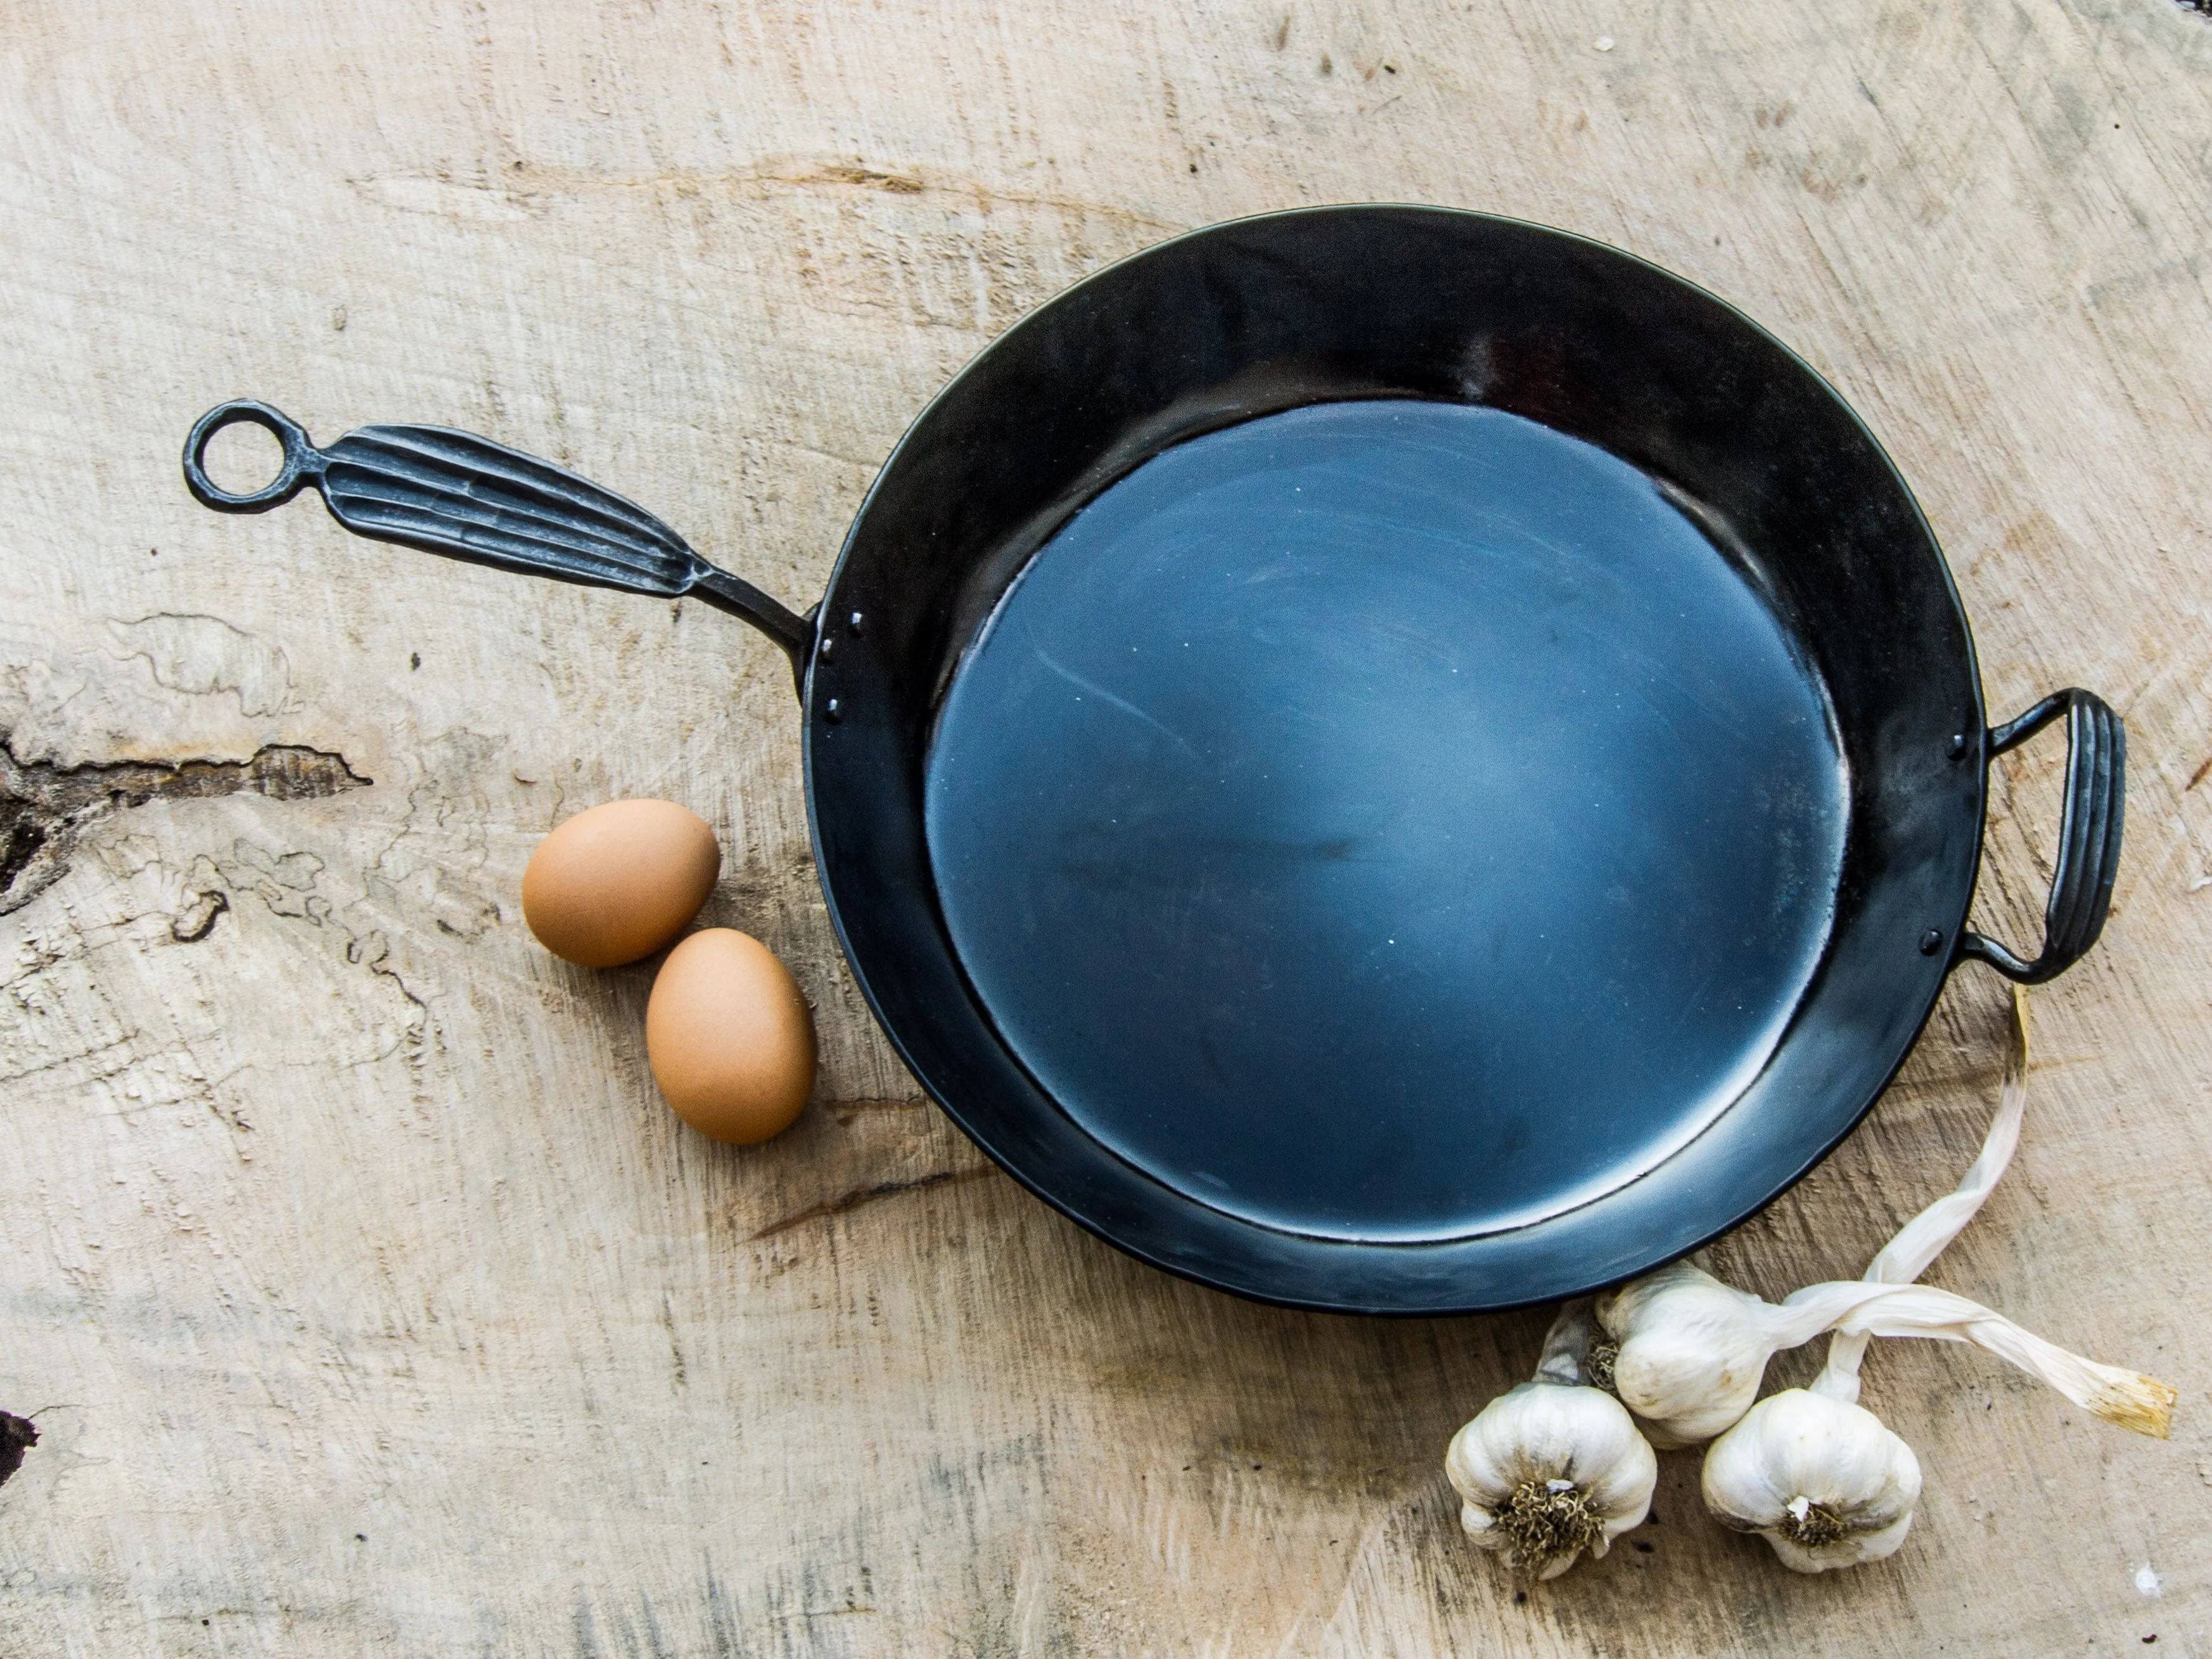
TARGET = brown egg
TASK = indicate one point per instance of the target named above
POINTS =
(618, 882)
(730, 1037)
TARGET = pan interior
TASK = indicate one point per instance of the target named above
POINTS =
(1387, 821)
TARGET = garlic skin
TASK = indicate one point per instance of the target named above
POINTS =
(1692, 1351)
(1553, 1467)
(1821, 1480)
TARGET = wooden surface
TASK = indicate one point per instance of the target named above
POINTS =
(369, 1301)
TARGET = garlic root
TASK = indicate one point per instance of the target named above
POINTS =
(1821, 1480)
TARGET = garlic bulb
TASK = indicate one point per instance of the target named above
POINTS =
(1690, 1351)
(1820, 1479)
(1554, 1467)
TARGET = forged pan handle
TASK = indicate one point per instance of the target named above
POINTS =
(2088, 834)
(468, 498)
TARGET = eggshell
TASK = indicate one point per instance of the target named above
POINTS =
(620, 881)
(730, 1037)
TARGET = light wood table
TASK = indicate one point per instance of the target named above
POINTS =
(369, 1300)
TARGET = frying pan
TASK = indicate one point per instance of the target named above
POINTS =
(1378, 758)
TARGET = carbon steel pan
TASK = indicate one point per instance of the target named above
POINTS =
(1381, 759)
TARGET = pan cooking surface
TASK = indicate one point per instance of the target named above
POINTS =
(1387, 821)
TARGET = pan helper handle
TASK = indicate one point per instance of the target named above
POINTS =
(468, 498)
(2088, 833)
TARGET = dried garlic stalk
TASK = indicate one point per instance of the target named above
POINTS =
(1921, 1240)
(2134, 1401)
(1823, 1481)
(1690, 1351)
(1828, 1485)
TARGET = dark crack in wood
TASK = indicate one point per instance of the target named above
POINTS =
(17, 1435)
(197, 920)
(898, 184)
(847, 1202)
(45, 807)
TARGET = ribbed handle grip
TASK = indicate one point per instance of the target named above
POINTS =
(2088, 834)
(468, 498)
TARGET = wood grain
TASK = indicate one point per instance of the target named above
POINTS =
(369, 1301)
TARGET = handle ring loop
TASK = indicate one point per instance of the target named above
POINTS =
(303, 462)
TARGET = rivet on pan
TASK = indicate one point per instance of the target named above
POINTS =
(853, 622)
(1930, 942)
(827, 648)
(1958, 744)
(832, 713)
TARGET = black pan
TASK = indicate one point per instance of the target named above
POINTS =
(1479, 791)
